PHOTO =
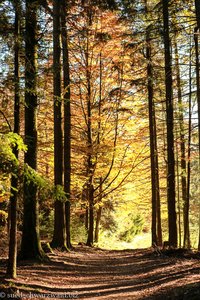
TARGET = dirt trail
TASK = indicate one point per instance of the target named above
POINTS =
(87, 273)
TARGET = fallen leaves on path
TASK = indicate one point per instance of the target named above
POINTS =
(89, 273)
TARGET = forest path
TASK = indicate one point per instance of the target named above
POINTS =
(89, 273)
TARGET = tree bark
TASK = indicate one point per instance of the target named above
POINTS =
(30, 246)
(90, 166)
(67, 119)
(189, 130)
(90, 239)
(196, 33)
(59, 235)
(155, 192)
(171, 197)
(152, 140)
(186, 241)
(99, 211)
(12, 258)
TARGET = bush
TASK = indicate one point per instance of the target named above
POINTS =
(46, 224)
(133, 225)
(78, 230)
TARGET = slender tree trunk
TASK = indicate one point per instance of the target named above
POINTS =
(99, 211)
(90, 238)
(59, 235)
(67, 120)
(178, 197)
(196, 33)
(155, 191)
(152, 140)
(186, 241)
(90, 166)
(87, 219)
(159, 223)
(12, 259)
(189, 131)
(171, 197)
(30, 246)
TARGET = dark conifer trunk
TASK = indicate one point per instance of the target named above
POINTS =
(67, 120)
(152, 140)
(186, 241)
(155, 190)
(12, 259)
(59, 235)
(171, 197)
(189, 132)
(90, 167)
(30, 246)
(196, 33)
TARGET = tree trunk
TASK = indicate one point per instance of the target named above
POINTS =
(59, 235)
(152, 140)
(189, 130)
(171, 197)
(12, 258)
(155, 193)
(186, 241)
(30, 246)
(90, 166)
(99, 211)
(67, 119)
(197, 8)
(90, 238)
(197, 30)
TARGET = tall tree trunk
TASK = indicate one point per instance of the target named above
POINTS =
(189, 130)
(196, 33)
(12, 259)
(197, 8)
(30, 246)
(178, 197)
(90, 166)
(59, 235)
(156, 215)
(152, 140)
(67, 119)
(171, 197)
(186, 241)
(158, 204)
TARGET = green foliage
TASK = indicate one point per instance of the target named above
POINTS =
(46, 224)
(132, 226)
(16, 140)
(3, 218)
(78, 230)
(59, 193)
(8, 161)
(32, 176)
(44, 186)
(4, 188)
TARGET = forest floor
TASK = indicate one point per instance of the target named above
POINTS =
(92, 273)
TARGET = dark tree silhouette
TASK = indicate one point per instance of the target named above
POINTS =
(30, 246)
(171, 197)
